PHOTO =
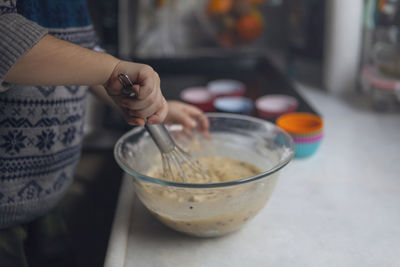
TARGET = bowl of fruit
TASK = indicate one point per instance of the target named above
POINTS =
(232, 23)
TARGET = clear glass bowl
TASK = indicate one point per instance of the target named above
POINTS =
(210, 209)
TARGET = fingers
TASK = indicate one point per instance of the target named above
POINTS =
(149, 102)
(149, 82)
(134, 121)
(190, 117)
(160, 115)
(136, 104)
(146, 81)
(197, 118)
(146, 108)
(157, 115)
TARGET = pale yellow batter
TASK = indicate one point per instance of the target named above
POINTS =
(219, 169)
(209, 212)
(214, 226)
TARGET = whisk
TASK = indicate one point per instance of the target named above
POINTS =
(178, 165)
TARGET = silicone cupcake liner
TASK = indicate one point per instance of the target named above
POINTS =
(226, 87)
(306, 130)
(303, 150)
(308, 140)
(199, 97)
(309, 135)
(300, 123)
(272, 106)
(240, 105)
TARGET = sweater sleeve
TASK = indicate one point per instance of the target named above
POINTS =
(17, 36)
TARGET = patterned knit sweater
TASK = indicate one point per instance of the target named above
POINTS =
(41, 127)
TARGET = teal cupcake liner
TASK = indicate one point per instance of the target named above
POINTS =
(303, 150)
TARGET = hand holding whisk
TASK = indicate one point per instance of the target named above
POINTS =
(178, 165)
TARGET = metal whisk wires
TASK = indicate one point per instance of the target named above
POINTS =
(180, 166)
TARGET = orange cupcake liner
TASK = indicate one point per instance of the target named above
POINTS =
(300, 123)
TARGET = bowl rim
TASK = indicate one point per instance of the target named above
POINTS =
(265, 174)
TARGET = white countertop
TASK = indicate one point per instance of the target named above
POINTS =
(340, 207)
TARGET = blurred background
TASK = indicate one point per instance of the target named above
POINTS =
(347, 48)
(287, 31)
(289, 35)
(338, 46)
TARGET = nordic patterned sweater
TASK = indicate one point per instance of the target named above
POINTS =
(41, 127)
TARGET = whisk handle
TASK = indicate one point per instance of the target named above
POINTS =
(158, 132)
(161, 137)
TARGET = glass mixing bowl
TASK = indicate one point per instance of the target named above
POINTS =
(209, 209)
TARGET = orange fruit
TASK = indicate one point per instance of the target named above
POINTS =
(249, 27)
(256, 1)
(161, 3)
(216, 7)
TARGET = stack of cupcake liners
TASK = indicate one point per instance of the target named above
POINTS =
(306, 130)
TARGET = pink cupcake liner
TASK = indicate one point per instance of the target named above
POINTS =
(308, 140)
(274, 105)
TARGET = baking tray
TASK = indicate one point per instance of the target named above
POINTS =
(257, 72)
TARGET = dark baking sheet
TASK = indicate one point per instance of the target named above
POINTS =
(259, 75)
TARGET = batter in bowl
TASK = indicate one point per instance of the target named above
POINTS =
(220, 169)
(214, 212)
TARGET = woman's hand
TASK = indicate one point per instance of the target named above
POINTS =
(189, 116)
(149, 102)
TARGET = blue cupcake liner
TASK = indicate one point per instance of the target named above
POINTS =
(239, 105)
(303, 150)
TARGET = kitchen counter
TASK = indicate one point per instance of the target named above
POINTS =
(340, 207)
